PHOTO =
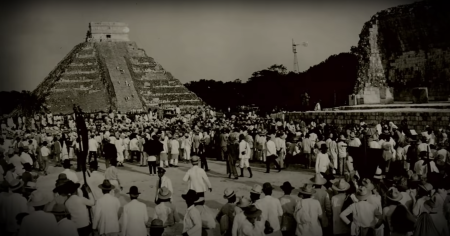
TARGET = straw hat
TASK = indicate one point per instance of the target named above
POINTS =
(37, 198)
(307, 189)
(195, 159)
(368, 184)
(318, 180)
(252, 211)
(256, 189)
(164, 193)
(157, 224)
(228, 193)
(106, 185)
(243, 202)
(341, 185)
(426, 186)
(15, 184)
(378, 174)
(394, 195)
(362, 193)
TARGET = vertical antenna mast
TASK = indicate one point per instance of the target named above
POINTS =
(294, 49)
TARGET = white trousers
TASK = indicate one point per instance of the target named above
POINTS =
(244, 163)
(120, 157)
(187, 153)
(174, 161)
(163, 163)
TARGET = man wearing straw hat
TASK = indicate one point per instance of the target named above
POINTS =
(337, 201)
(323, 197)
(198, 180)
(106, 212)
(192, 223)
(308, 212)
(134, 217)
(39, 222)
(166, 211)
(227, 212)
(163, 181)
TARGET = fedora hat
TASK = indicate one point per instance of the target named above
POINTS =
(252, 211)
(37, 198)
(341, 185)
(62, 178)
(267, 186)
(323, 146)
(161, 170)
(106, 185)
(362, 193)
(164, 193)
(394, 195)
(378, 174)
(15, 184)
(134, 191)
(318, 180)
(256, 189)
(157, 224)
(228, 193)
(307, 189)
(243, 202)
(195, 159)
(286, 186)
(191, 195)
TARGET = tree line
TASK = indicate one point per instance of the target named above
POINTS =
(330, 83)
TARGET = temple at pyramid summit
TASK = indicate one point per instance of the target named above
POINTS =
(109, 72)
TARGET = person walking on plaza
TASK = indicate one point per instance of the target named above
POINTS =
(93, 148)
(232, 154)
(223, 144)
(244, 155)
(198, 180)
(174, 151)
(288, 203)
(134, 217)
(152, 149)
(109, 151)
(106, 214)
(163, 181)
(342, 154)
(271, 154)
(192, 222)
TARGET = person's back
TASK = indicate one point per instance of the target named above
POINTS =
(39, 223)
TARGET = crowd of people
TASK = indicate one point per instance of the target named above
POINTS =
(407, 193)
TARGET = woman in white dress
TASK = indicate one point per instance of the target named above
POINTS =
(308, 213)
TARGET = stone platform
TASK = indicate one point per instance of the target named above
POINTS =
(435, 115)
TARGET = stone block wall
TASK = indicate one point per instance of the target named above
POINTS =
(407, 46)
(416, 120)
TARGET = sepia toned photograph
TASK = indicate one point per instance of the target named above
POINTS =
(225, 118)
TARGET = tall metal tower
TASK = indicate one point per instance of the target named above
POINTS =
(294, 49)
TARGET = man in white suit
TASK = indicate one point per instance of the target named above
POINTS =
(134, 217)
(198, 180)
(106, 214)
(163, 181)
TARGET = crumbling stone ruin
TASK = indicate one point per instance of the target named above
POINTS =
(405, 47)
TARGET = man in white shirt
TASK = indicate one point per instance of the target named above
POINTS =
(45, 153)
(106, 214)
(93, 148)
(174, 150)
(270, 207)
(163, 181)
(322, 161)
(198, 180)
(25, 157)
(71, 175)
(271, 154)
(134, 217)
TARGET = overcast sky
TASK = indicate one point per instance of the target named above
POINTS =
(219, 40)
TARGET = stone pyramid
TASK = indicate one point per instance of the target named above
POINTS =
(109, 71)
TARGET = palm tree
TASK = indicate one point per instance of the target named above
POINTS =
(30, 104)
